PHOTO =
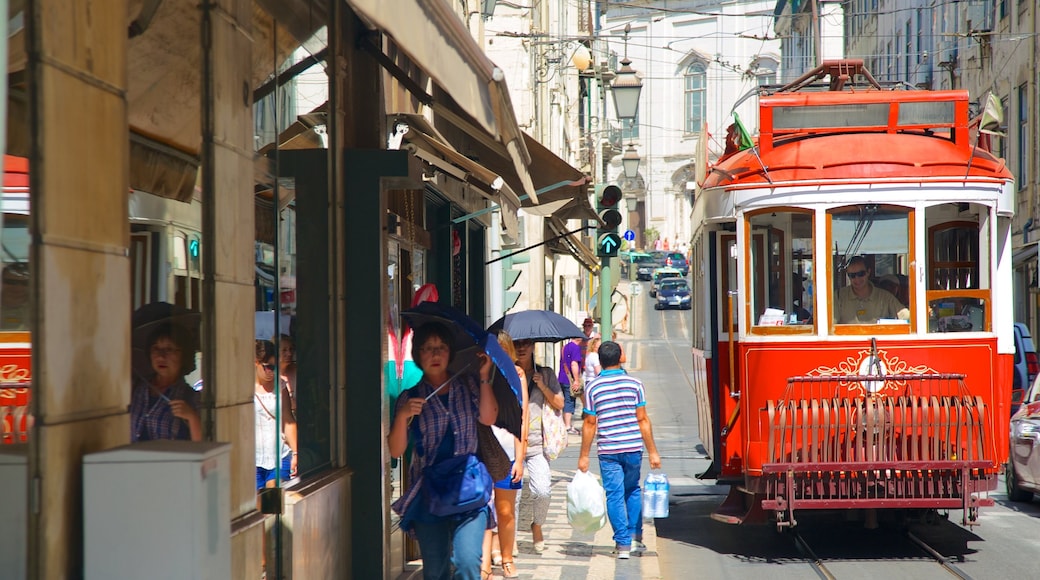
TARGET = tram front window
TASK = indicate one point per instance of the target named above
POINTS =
(781, 285)
(870, 262)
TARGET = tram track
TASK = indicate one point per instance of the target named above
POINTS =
(819, 565)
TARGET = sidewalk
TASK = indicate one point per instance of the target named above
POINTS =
(570, 555)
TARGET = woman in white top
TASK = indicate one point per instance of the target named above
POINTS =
(275, 447)
(592, 366)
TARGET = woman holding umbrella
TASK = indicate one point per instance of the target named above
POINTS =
(542, 388)
(163, 406)
(440, 416)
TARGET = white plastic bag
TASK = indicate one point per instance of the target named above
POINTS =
(586, 503)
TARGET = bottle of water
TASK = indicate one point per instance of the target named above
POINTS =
(649, 497)
(661, 497)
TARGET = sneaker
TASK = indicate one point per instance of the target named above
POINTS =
(623, 554)
(539, 547)
(638, 546)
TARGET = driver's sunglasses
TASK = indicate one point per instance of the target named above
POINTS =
(859, 274)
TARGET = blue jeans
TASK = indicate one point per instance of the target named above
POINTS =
(451, 541)
(568, 398)
(620, 472)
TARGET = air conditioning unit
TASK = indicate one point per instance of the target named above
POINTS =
(979, 15)
(14, 512)
(158, 509)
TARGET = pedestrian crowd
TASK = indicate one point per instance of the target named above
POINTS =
(439, 419)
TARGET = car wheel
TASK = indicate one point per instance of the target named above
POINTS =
(1014, 492)
(657, 307)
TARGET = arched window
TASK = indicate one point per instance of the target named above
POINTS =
(694, 97)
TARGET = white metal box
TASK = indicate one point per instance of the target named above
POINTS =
(14, 510)
(157, 509)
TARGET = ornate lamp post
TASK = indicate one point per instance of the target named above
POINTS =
(630, 162)
(626, 88)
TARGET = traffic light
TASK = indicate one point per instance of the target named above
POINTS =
(608, 200)
(509, 278)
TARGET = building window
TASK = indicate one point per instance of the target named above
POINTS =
(696, 84)
(1023, 136)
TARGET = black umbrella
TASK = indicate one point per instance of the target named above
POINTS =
(470, 340)
(537, 325)
(183, 323)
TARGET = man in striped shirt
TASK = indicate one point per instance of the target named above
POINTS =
(615, 415)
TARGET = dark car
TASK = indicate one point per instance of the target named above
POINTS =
(660, 275)
(644, 266)
(632, 263)
(1026, 366)
(1022, 473)
(678, 261)
(673, 293)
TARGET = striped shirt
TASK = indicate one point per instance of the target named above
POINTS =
(613, 398)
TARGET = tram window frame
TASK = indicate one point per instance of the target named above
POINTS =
(782, 272)
(963, 308)
(889, 259)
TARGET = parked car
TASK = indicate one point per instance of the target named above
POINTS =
(661, 274)
(1027, 365)
(1022, 472)
(644, 265)
(632, 263)
(673, 293)
(678, 261)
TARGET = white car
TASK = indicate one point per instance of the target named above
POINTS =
(1022, 473)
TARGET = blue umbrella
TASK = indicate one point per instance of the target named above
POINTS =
(469, 340)
(537, 325)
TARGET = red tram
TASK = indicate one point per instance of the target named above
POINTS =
(852, 330)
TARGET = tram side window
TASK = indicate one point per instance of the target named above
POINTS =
(958, 267)
(870, 263)
(780, 290)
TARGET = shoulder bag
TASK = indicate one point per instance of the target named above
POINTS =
(491, 453)
(457, 485)
(554, 430)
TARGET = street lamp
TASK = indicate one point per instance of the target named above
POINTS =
(630, 162)
(626, 88)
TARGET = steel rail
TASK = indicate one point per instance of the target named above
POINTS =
(939, 558)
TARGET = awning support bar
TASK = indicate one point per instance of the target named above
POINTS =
(547, 188)
(542, 243)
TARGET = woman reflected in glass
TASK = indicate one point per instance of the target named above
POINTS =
(163, 405)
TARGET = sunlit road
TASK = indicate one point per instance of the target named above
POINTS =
(691, 545)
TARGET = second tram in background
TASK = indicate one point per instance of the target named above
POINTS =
(853, 305)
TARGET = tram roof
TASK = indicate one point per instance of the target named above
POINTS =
(823, 136)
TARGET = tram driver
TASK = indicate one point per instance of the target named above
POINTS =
(863, 303)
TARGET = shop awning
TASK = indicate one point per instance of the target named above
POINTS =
(1026, 253)
(425, 143)
(572, 245)
(435, 39)
(562, 189)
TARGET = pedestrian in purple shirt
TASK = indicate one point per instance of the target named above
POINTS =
(571, 363)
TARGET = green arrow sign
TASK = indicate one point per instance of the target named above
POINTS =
(608, 244)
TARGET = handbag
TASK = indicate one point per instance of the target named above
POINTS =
(490, 451)
(457, 485)
(554, 431)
